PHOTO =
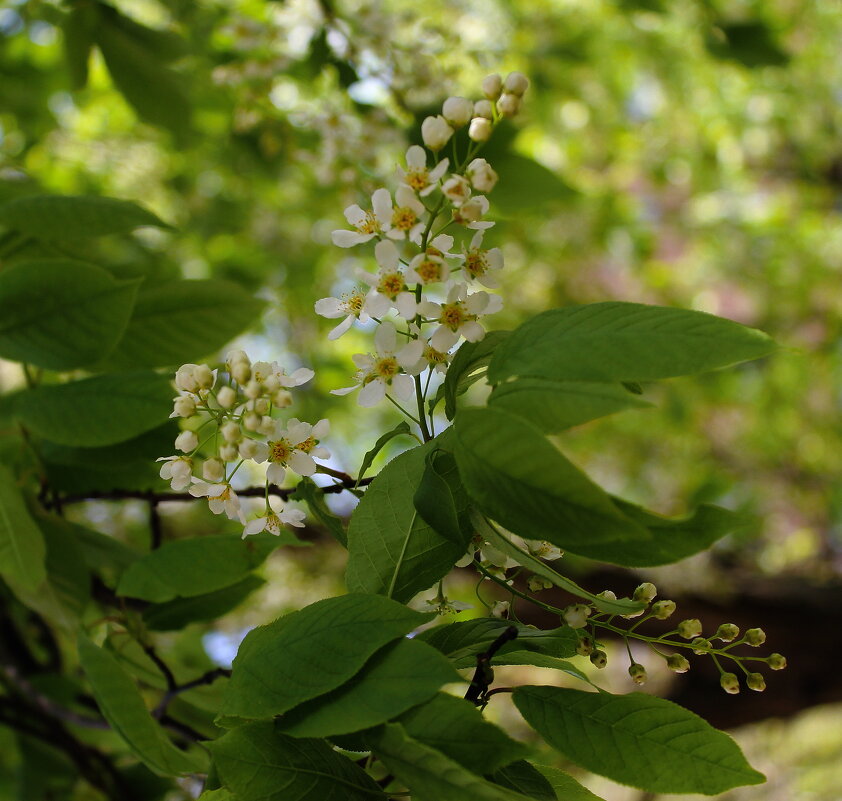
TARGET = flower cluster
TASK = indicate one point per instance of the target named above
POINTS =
(233, 418)
(424, 294)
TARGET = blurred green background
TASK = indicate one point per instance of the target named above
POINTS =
(682, 152)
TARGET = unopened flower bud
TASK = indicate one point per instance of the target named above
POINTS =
(237, 357)
(700, 645)
(480, 129)
(690, 628)
(186, 441)
(252, 389)
(677, 663)
(730, 683)
(226, 397)
(184, 378)
(213, 470)
(585, 645)
(251, 421)
(663, 609)
(435, 132)
(271, 383)
(248, 448)
(599, 659)
(727, 632)
(483, 108)
(267, 426)
(241, 372)
(230, 431)
(776, 661)
(228, 452)
(508, 104)
(473, 209)
(755, 637)
(492, 85)
(645, 593)
(756, 682)
(537, 583)
(282, 399)
(637, 673)
(516, 83)
(482, 175)
(576, 615)
(500, 608)
(607, 595)
(203, 376)
(184, 406)
(457, 111)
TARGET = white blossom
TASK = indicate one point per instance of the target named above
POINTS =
(221, 498)
(406, 215)
(388, 287)
(350, 306)
(177, 470)
(367, 224)
(417, 176)
(480, 264)
(458, 316)
(273, 522)
(471, 212)
(482, 175)
(294, 447)
(183, 406)
(456, 189)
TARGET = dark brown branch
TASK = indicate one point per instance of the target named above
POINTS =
(484, 675)
(207, 678)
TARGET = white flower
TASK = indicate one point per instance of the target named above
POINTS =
(470, 213)
(457, 111)
(544, 550)
(576, 615)
(435, 132)
(351, 306)
(186, 441)
(482, 176)
(368, 224)
(295, 447)
(384, 372)
(480, 129)
(271, 376)
(480, 263)
(492, 85)
(221, 498)
(417, 176)
(516, 83)
(389, 285)
(457, 316)
(272, 522)
(183, 406)
(406, 215)
(456, 189)
(500, 608)
(427, 268)
(177, 470)
(239, 366)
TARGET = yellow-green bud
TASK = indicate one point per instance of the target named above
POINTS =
(755, 637)
(645, 592)
(700, 645)
(727, 632)
(599, 659)
(638, 673)
(730, 683)
(756, 682)
(677, 663)
(663, 609)
(776, 661)
(690, 628)
(585, 646)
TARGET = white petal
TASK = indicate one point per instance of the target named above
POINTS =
(495, 258)
(472, 331)
(302, 463)
(255, 526)
(261, 452)
(320, 452)
(429, 309)
(411, 353)
(381, 202)
(355, 215)
(329, 307)
(372, 393)
(301, 376)
(480, 226)
(403, 387)
(341, 328)
(444, 339)
(385, 338)
(377, 305)
(363, 361)
(275, 473)
(477, 302)
(495, 303)
(344, 390)
(405, 304)
(442, 242)
(396, 233)
(416, 158)
(387, 255)
(404, 196)
(322, 428)
(439, 170)
(476, 240)
(347, 239)
(293, 517)
(298, 431)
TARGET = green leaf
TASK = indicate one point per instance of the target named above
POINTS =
(180, 321)
(164, 45)
(61, 314)
(636, 739)
(624, 342)
(333, 638)
(520, 478)
(465, 366)
(400, 675)
(392, 550)
(537, 659)
(565, 786)
(100, 551)
(554, 406)
(307, 491)
(617, 606)
(748, 42)
(526, 779)
(198, 565)
(673, 539)
(61, 217)
(258, 763)
(400, 428)
(457, 728)
(78, 41)
(122, 706)
(22, 549)
(526, 186)
(441, 500)
(431, 775)
(180, 612)
(102, 410)
(216, 795)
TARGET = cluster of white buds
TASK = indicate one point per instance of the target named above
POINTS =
(423, 294)
(233, 416)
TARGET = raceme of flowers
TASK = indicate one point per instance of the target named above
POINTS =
(233, 416)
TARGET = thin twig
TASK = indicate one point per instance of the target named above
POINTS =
(483, 675)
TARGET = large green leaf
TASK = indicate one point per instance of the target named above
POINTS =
(400, 675)
(554, 406)
(457, 728)
(122, 706)
(616, 341)
(526, 186)
(257, 763)
(636, 739)
(308, 491)
(180, 321)
(61, 314)
(392, 550)
(441, 500)
(22, 548)
(467, 368)
(520, 478)
(526, 779)
(565, 786)
(198, 565)
(400, 429)
(63, 217)
(102, 410)
(672, 538)
(333, 638)
(429, 774)
(78, 28)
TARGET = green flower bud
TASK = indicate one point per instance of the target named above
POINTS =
(638, 673)
(727, 632)
(700, 645)
(755, 637)
(730, 683)
(663, 609)
(645, 592)
(756, 682)
(690, 628)
(585, 646)
(677, 663)
(776, 661)
(599, 659)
